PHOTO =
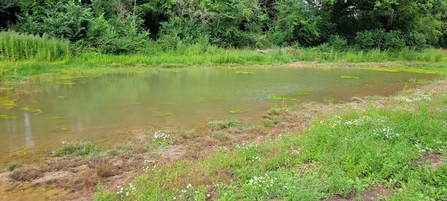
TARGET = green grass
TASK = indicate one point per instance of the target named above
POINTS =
(16, 46)
(13, 166)
(22, 56)
(78, 149)
(340, 154)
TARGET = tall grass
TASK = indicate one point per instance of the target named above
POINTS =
(18, 46)
(25, 55)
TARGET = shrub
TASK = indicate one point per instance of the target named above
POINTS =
(338, 42)
(379, 39)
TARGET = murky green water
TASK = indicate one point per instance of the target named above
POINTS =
(104, 108)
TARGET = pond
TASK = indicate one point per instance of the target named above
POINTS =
(105, 108)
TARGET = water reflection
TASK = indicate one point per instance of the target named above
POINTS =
(28, 135)
(103, 108)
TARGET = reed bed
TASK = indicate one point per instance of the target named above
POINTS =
(16, 46)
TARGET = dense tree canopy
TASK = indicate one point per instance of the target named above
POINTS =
(124, 26)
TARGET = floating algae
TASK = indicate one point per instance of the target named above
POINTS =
(4, 116)
(163, 114)
(302, 93)
(348, 77)
(243, 72)
(67, 83)
(7, 103)
(282, 98)
(32, 110)
(236, 111)
(58, 117)
(201, 99)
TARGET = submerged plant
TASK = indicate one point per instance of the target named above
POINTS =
(198, 100)
(5, 116)
(301, 93)
(7, 103)
(283, 98)
(163, 114)
(243, 72)
(348, 77)
(59, 117)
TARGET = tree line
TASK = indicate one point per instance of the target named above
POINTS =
(126, 26)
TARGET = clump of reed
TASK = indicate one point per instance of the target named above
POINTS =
(19, 46)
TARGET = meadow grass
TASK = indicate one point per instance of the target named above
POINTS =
(343, 154)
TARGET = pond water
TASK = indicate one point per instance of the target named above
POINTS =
(105, 108)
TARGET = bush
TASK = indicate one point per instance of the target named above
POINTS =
(416, 40)
(338, 42)
(382, 40)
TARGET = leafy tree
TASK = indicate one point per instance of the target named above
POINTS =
(8, 11)
(295, 22)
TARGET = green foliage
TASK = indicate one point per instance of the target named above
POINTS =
(126, 27)
(66, 20)
(80, 149)
(338, 43)
(294, 24)
(379, 39)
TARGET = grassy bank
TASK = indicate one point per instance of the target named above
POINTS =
(23, 56)
(390, 149)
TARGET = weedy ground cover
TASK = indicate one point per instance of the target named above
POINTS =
(344, 155)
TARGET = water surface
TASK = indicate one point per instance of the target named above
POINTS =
(106, 107)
